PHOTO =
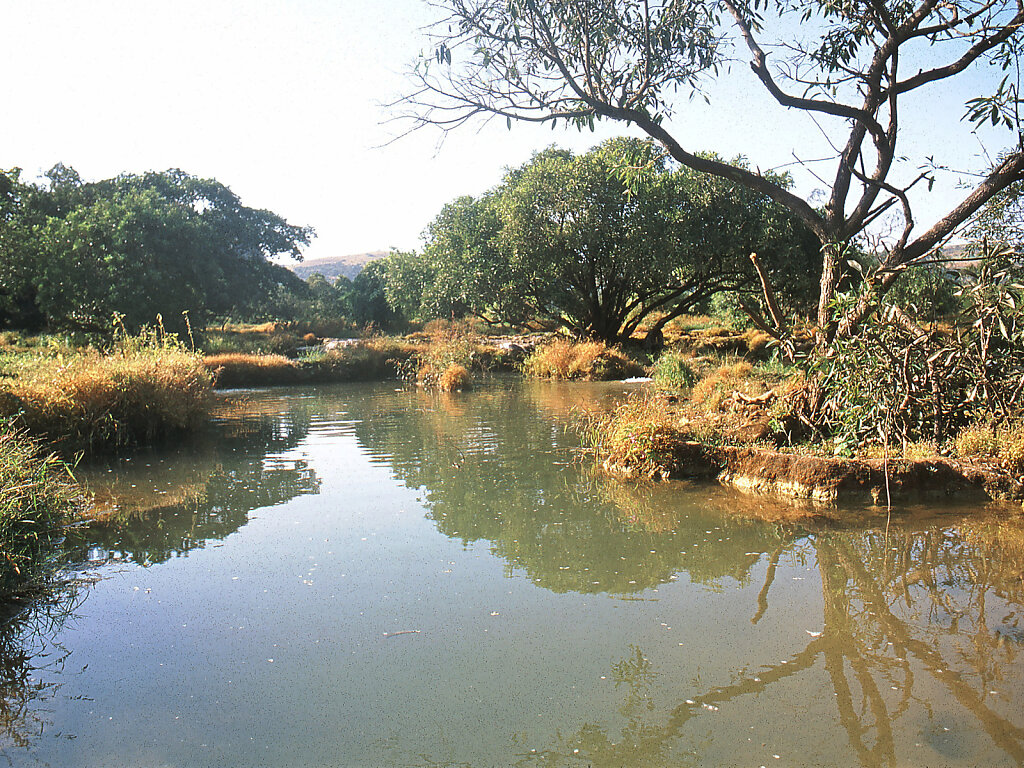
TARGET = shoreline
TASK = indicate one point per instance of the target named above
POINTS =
(825, 480)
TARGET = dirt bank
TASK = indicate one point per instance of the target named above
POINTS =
(828, 480)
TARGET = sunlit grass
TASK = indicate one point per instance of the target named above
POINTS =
(592, 360)
(1001, 443)
(136, 393)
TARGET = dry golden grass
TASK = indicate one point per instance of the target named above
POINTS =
(1003, 443)
(711, 391)
(565, 359)
(757, 341)
(455, 378)
(239, 369)
(641, 435)
(92, 400)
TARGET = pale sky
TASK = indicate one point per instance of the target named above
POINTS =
(282, 100)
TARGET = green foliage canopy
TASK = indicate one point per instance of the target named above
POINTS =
(598, 243)
(854, 69)
(73, 254)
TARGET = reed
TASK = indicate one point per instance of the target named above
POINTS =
(38, 497)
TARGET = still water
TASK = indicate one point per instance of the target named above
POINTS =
(359, 576)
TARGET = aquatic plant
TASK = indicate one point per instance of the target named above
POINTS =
(640, 437)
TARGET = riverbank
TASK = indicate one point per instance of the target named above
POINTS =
(738, 429)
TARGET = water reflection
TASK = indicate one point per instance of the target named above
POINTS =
(161, 504)
(921, 626)
(842, 639)
(500, 467)
(28, 648)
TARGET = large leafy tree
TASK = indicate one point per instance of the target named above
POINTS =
(144, 245)
(570, 240)
(853, 69)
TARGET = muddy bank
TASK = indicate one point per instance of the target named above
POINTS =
(829, 480)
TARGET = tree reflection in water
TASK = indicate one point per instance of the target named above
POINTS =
(943, 601)
(152, 507)
(938, 598)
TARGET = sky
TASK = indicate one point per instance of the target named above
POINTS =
(285, 101)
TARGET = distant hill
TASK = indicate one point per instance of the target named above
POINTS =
(335, 266)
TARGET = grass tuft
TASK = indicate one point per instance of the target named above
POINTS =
(1002, 443)
(139, 392)
(38, 497)
(673, 370)
(592, 360)
(640, 436)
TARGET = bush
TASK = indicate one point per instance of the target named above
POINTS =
(444, 363)
(593, 360)
(38, 497)
(455, 378)
(896, 382)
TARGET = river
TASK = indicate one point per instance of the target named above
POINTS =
(368, 576)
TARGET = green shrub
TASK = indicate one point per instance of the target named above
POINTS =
(672, 371)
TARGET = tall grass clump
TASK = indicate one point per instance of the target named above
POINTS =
(143, 389)
(640, 437)
(443, 364)
(593, 360)
(1001, 443)
(38, 497)
(672, 370)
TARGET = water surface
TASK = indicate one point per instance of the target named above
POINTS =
(359, 576)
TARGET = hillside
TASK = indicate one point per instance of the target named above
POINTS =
(334, 266)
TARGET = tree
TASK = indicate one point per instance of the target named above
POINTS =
(569, 240)
(18, 255)
(139, 246)
(369, 302)
(624, 60)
